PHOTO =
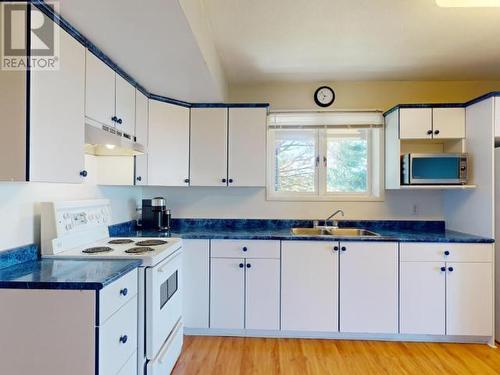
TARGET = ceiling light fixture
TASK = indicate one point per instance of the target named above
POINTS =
(468, 3)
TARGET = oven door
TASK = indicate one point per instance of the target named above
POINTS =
(163, 302)
(438, 169)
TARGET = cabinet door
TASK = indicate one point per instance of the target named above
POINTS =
(469, 298)
(141, 134)
(227, 293)
(195, 263)
(247, 147)
(208, 147)
(448, 123)
(99, 91)
(415, 123)
(369, 287)
(422, 298)
(309, 286)
(168, 145)
(262, 294)
(57, 116)
(125, 106)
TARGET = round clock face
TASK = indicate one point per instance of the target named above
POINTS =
(324, 96)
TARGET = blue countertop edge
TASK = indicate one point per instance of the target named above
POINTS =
(21, 254)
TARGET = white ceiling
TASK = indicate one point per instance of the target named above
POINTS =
(263, 40)
(151, 40)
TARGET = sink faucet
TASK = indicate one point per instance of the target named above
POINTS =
(335, 223)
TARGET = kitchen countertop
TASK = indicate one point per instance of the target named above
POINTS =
(403, 231)
(65, 274)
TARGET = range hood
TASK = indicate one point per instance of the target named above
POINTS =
(108, 141)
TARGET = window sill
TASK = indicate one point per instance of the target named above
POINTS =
(322, 198)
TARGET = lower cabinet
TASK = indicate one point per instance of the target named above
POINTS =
(245, 293)
(446, 289)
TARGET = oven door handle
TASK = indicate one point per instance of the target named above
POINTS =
(169, 261)
(166, 346)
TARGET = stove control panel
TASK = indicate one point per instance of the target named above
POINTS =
(75, 219)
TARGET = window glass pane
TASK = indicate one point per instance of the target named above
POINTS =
(295, 156)
(347, 161)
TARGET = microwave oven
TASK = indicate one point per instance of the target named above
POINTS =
(434, 169)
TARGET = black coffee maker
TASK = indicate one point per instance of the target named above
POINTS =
(155, 214)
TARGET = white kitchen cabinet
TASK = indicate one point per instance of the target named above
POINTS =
(168, 144)
(227, 293)
(309, 286)
(247, 146)
(448, 123)
(415, 123)
(262, 294)
(469, 290)
(422, 298)
(125, 106)
(369, 287)
(99, 91)
(208, 152)
(57, 114)
(141, 135)
(196, 281)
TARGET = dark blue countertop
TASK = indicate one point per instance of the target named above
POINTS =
(65, 274)
(397, 231)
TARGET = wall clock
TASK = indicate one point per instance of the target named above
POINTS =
(324, 96)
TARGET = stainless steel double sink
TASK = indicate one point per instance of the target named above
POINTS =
(334, 232)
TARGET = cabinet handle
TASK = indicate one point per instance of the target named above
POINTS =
(429, 132)
(446, 252)
(139, 178)
(436, 132)
(119, 121)
(123, 339)
(443, 269)
(124, 292)
(249, 265)
(186, 180)
(450, 269)
(335, 248)
(230, 180)
(223, 180)
(83, 173)
(241, 265)
(114, 118)
(343, 248)
(245, 248)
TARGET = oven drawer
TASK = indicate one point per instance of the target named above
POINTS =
(169, 353)
(446, 252)
(118, 339)
(245, 249)
(115, 295)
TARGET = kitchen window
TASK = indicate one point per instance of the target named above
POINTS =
(326, 156)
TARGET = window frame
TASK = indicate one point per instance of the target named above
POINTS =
(376, 156)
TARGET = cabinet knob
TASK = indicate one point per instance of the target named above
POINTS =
(446, 252)
(429, 132)
(124, 291)
(241, 265)
(223, 180)
(335, 248)
(114, 118)
(123, 339)
(249, 265)
(119, 120)
(83, 173)
(443, 269)
(139, 178)
(186, 180)
(450, 269)
(436, 132)
(230, 180)
(343, 248)
(245, 248)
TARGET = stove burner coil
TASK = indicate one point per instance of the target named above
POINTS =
(120, 241)
(98, 249)
(139, 250)
(151, 243)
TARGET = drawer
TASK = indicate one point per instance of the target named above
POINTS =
(116, 294)
(118, 338)
(436, 252)
(130, 368)
(245, 249)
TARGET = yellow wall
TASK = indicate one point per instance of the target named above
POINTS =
(361, 95)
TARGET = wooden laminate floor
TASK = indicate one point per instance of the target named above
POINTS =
(228, 355)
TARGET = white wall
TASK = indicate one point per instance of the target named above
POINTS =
(19, 211)
(251, 203)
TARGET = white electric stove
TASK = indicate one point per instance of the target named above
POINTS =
(79, 230)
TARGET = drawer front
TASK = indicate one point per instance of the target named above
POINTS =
(245, 249)
(446, 252)
(130, 368)
(115, 295)
(118, 339)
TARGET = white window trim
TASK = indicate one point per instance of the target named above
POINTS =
(376, 192)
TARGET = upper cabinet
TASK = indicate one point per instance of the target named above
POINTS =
(168, 144)
(208, 147)
(431, 123)
(141, 134)
(247, 147)
(109, 98)
(228, 146)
